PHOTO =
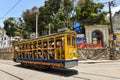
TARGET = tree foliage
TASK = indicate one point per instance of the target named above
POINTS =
(10, 26)
(29, 17)
(88, 12)
(56, 13)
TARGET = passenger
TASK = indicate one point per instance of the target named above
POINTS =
(51, 54)
(16, 48)
(45, 45)
(52, 51)
(31, 46)
(35, 54)
(35, 46)
(39, 54)
(59, 44)
(20, 47)
(45, 54)
(39, 46)
(52, 45)
(30, 54)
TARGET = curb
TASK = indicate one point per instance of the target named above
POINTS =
(97, 61)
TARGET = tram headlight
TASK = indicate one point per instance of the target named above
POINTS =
(74, 51)
(70, 51)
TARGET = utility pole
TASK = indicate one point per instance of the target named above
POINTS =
(49, 29)
(37, 11)
(66, 6)
(111, 3)
(36, 25)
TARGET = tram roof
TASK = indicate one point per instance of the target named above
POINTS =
(68, 32)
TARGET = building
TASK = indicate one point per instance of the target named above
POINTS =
(97, 34)
(116, 28)
(116, 21)
(6, 41)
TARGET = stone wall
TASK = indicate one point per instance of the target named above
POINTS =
(6, 55)
(99, 54)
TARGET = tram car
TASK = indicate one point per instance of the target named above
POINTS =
(55, 50)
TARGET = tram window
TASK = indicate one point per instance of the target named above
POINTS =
(31, 45)
(45, 44)
(51, 43)
(20, 46)
(73, 41)
(39, 44)
(35, 44)
(58, 41)
(16, 48)
(68, 40)
(26, 46)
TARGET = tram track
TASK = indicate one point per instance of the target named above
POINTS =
(97, 75)
(69, 73)
(78, 77)
(11, 74)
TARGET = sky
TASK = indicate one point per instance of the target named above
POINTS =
(15, 8)
(114, 9)
(7, 8)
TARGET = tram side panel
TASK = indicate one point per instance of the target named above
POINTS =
(40, 53)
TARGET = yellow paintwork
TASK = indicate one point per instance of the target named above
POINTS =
(67, 52)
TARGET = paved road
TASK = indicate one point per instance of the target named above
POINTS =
(85, 71)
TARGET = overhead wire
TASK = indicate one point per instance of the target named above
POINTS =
(10, 9)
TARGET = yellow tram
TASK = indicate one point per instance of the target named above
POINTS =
(55, 50)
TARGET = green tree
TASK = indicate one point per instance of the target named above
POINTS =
(88, 12)
(29, 17)
(11, 27)
(15, 27)
(60, 12)
(53, 13)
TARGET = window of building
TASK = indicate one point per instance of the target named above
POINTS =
(4, 43)
(4, 38)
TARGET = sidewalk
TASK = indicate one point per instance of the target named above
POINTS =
(97, 61)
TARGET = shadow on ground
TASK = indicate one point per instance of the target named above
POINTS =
(54, 71)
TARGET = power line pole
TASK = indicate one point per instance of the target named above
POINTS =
(49, 29)
(37, 13)
(111, 25)
(66, 6)
(111, 3)
(36, 25)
